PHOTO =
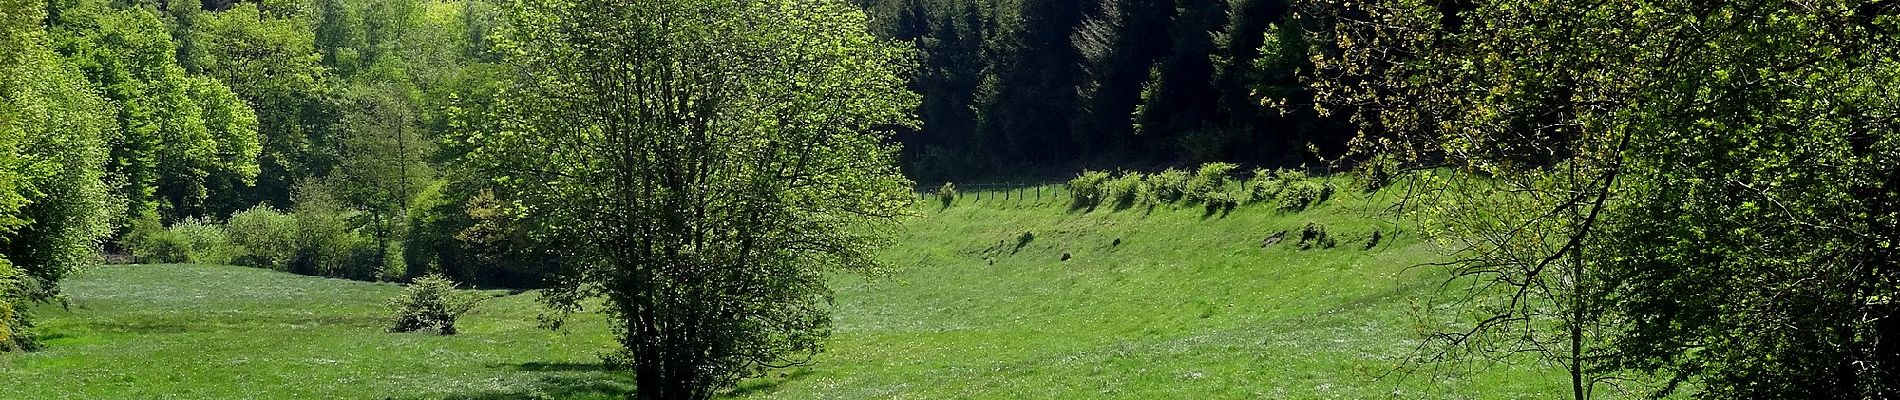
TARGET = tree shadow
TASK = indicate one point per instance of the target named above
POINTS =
(560, 380)
(561, 387)
(767, 384)
(561, 367)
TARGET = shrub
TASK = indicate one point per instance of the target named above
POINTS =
(1299, 195)
(431, 302)
(947, 194)
(1125, 190)
(1298, 192)
(1314, 235)
(263, 237)
(1168, 186)
(150, 242)
(1262, 186)
(1209, 183)
(13, 324)
(1086, 188)
(1219, 202)
(206, 242)
(327, 243)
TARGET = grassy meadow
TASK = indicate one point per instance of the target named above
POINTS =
(1165, 302)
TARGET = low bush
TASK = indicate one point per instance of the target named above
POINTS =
(1299, 195)
(1209, 183)
(263, 237)
(1314, 235)
(947, 194)
(431, 302)
(1125, 190)
(1263, 186)
(327, 242)
(1166, 187)
(1086, 189)
(151, 243)
(13, 322)
(206, 241)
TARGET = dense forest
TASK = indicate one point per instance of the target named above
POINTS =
(350, 122)
(1012, 86)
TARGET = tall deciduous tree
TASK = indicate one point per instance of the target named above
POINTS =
(701, 164)
(184, 140)
(1701, 189)
(54, 206)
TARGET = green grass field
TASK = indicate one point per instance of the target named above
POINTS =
(1188, 305)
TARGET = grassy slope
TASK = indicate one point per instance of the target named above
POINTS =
(1187, 306)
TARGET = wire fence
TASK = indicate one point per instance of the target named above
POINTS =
(1022, 193)
(1016, 193)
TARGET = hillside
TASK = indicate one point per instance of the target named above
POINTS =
(1187, 305)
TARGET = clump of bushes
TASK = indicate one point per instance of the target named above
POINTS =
(1087, 189)
(1314, 235)
(13, 323)
(431, 302)
(1168, 186)
(151, 243)
(1264, 185)
(1209, 183)
(319, 236)
(193, 240)
(947, 194)
(1125, 190)
(1298, 192)
(206, 241)
(328, 243)
(263, 237)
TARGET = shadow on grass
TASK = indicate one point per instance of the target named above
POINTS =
(560, 381)
(140, 326)
(561, 367)
(615, 386)
(596, 381)
(769, 383)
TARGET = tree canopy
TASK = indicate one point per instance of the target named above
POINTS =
(701, 164)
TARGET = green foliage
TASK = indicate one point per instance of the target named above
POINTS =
(55, 207)
(184, 140)
(263, 237)
(778, 173)
(328, 243)
(1314, 235)
(1264, 185)
(1699, 190)
(1209, 184)
(947, 194)
(1166, 187)
(150, 242)
(1125, 190)
(1295, 190)
(206, 241)
(1087, 189)
(13, 323)
(430, 302)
